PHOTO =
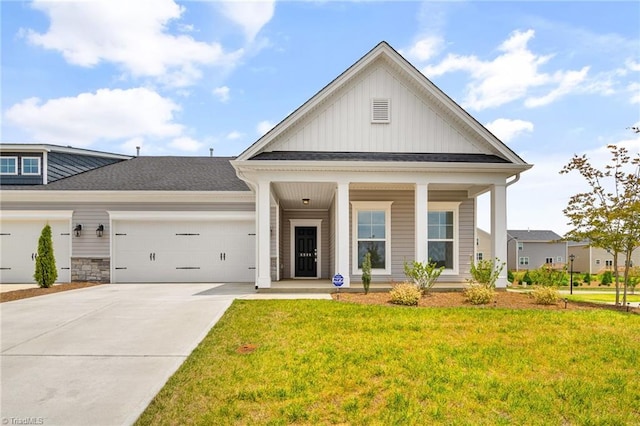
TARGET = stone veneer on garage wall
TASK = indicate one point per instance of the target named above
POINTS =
(90, 269)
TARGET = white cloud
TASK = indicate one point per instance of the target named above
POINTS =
(134, 37)
(264, 126)
(103, 115)
(222, 93)
(633, 65)
(234, 135)
(506, 129)
(425, 48)
(510, 76)
(567, 83)
(252, 16)
(185, 143)
(634, 89)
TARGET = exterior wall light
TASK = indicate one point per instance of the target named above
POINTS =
(305, 201)
(100, 230)
(77, 230)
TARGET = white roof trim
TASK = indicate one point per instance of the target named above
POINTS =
(36, 214)
(27, 147)
(180, 215)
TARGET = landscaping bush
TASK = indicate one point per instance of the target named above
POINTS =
(510, 277)
(587, 278)
(423, 275)
(45, 273)
(544, 295)
(366, 272)
(607, 278)
(486, 272)
(405, 294)
(478, 294)
(527, 278)
(548, 276)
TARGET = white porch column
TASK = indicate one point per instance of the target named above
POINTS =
(343, 235)
(263, 231)
(421, 211)
(499, 229)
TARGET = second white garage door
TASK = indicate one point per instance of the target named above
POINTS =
(183, 251)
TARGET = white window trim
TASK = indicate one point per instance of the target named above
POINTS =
(312, 223)
(15, 159)
(39, 166)
(455, 208)
(371, 205)
(523, 261)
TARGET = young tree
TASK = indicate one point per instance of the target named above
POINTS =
(608, 214)
(46, 272)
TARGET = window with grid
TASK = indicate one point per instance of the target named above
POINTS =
(524, 261)
(30, 165)
(441, 238)
(372, 234)
(8, 165)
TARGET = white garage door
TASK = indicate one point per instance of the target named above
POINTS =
(19, 245)
(183, 251)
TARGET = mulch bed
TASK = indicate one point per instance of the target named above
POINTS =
(33, 292)
(453, 299)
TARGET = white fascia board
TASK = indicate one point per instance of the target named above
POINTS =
(36, 214)
(26, 147)
(181, 215)
(378, 166)
(128, 196)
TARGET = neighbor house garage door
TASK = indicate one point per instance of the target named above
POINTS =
(19, 234)
(185, 250)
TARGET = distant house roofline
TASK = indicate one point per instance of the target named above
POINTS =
(38, 147)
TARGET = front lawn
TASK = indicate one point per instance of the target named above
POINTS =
(325, 362)
(604, 298)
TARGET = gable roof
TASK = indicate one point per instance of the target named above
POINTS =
(534, 235)
(34, 147)
(153, 174)
(437, 96)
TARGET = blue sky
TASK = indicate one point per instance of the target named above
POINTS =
(549, 78)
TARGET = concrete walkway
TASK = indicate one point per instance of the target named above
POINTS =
(97, 356)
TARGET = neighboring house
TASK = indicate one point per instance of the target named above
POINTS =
(531, 249)
(596, 260)
(30, 164)
(380, 161)
(483, 245)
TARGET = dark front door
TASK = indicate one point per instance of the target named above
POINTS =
(306, 251)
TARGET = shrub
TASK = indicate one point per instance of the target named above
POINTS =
(587, 278)
(527, 278)
(478, 294)
(548, 276)
(423, 275)
(486, 272)
(510, 277)
(544, 295)
(607, 278)
(405, 294)
(46, 273)
(366, 272)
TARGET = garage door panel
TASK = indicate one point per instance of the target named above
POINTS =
(19, 245)
(184, 251)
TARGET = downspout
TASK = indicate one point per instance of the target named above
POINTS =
(517, 178)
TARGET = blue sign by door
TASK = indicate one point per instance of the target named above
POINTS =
(338, 280)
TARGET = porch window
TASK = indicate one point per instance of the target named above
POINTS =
(442, 235)
(372, 234)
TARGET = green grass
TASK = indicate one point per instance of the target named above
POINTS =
(604, 298)
(322, 362)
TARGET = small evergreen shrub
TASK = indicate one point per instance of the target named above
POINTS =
(510, 277)
(45, 273)
(527, 278)
(366, 272)
(544, 295)
(587, 278)
(607, 278)
(478, 294)
(405, 294)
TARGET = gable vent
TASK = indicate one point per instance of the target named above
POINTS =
(380, 110)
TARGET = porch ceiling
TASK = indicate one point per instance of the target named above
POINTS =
(291, 194)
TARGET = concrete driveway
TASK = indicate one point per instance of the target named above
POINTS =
(99, 355)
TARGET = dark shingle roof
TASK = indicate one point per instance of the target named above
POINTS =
(534, 235)
(379, 156)
(153, 174)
